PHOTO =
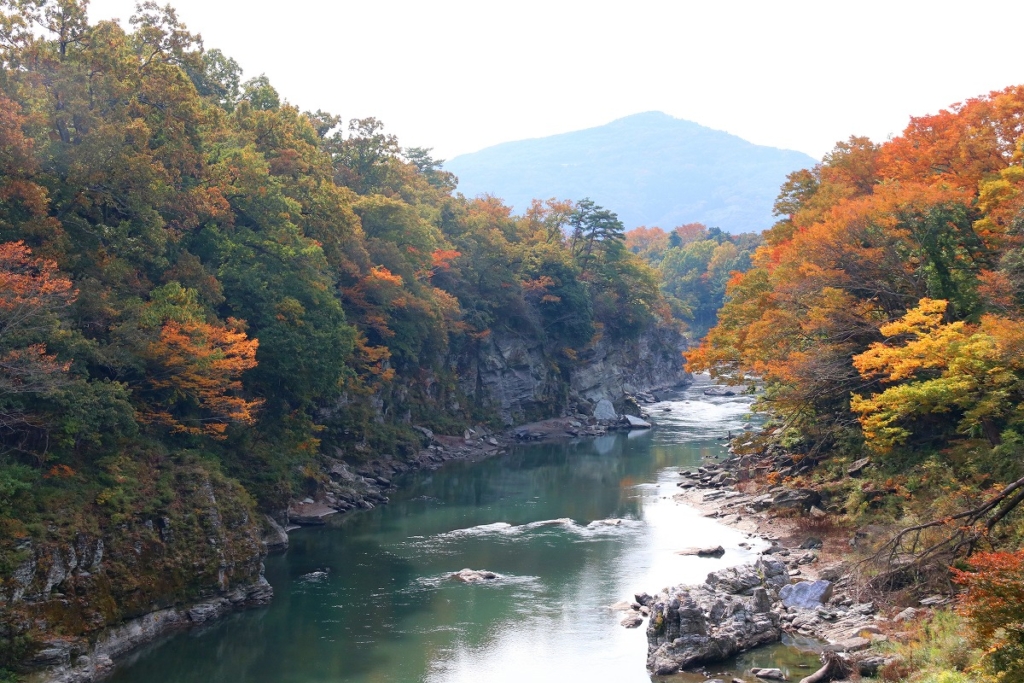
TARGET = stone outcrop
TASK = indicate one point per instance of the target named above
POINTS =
(729, 613)
(519, 379)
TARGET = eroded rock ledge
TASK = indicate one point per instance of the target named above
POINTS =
(73, 661)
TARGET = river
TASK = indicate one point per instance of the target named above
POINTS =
(367, 597)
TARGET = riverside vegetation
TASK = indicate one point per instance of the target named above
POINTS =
(883, 314)
(205, 292)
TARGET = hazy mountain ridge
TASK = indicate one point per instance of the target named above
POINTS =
(651, 168)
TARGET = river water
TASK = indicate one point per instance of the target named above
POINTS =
(367, 598)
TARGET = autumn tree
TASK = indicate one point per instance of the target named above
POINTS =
(32, 296)
(971, 372)
(994, 605)
(194, 384)
(647, 243)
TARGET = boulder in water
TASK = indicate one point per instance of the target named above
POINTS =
(632, 620)
(637, 423)
(474, 575)
(715, 551)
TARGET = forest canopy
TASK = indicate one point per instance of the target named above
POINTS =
(189, 263)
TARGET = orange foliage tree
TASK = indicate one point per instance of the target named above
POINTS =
(994, 605)
(196, 386)
(32, 292)
(646, 242)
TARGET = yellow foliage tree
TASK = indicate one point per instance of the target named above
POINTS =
(973, 370)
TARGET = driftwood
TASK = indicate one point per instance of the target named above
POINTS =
(905, 556)
(833, 667)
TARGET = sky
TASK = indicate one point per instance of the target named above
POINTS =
(458, 76)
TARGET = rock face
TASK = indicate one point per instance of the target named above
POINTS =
(95, 662)
(727, 614)
(275, 538)
(520, 379)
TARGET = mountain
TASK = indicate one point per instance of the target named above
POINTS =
(652, 169)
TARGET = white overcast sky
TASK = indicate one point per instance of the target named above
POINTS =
(462, 75)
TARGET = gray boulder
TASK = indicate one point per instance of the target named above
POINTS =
(632, 620)
(806, 594)
(728, 614)
(637, 423)
(604, 410)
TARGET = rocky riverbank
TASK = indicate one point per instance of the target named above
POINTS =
(800, 585)
(76, 662)
(350, 487)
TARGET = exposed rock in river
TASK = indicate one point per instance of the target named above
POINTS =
(712, 551)
(729, 613)
(309, 512)
(637, 423)
(474, 575)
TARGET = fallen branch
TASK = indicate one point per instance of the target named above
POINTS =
(904, 556)
(834, 667)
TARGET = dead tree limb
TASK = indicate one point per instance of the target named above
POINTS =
(904, 556)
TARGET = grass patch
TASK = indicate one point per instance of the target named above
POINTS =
(937, 651)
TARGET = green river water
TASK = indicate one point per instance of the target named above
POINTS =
(387, 612)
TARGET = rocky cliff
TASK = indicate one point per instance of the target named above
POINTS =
(95, 589)
(523, 381)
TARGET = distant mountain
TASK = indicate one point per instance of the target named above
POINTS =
(652, 169)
